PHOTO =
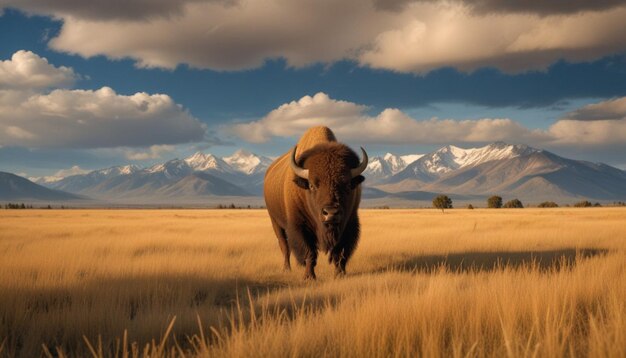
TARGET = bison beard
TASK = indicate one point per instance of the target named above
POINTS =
(330, 236)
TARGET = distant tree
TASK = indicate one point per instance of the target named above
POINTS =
(442, 202)
(49, 207)
(583, 204)
(548, 204)
(515, 204)
(470, 206)
(494, 202)
(597, 205)
(232, 206)
(23, 206)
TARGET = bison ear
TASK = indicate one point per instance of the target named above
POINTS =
(301, 182)
(356, 181)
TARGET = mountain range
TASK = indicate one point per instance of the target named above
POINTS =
(240, 174)
(512, 171)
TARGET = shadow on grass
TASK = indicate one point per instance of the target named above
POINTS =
(59, 316)
(489, 261)
(138, 302)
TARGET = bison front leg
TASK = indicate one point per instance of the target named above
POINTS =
(341, 253)
(305, 250)
(339, 260)
(309, 273)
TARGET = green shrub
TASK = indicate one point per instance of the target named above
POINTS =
(548, 204)
(442, 202)
(583, 204)
(515, 203)
(494, 202)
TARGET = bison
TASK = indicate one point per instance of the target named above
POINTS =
(312, 194)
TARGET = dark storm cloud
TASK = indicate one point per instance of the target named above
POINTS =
(106, 9)
(512, 36)
(542, 7)
(392, 5)
(538, 7)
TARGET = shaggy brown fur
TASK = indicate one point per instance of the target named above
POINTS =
(295, 204)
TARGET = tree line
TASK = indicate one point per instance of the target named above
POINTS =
(25, 206)
(233, 206)
(443, 202)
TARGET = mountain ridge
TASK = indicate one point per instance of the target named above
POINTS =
(496, 168)
(15, 187)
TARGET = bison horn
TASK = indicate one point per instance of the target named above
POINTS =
(301, 172)
(358, 170)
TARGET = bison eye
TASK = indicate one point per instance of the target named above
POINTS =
(311, 186)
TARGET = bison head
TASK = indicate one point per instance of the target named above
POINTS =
(330, 174)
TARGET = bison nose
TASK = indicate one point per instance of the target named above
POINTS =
(331, 213)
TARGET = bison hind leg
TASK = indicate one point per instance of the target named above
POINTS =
(283, 243)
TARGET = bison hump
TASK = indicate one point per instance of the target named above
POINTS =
(314, 136)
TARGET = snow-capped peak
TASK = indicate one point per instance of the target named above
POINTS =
(77, 172)
(247, 162)
(197, 157)
(170, 168)
(410, 158)
(201, 162)
(451, 157)
(396, 163)
(128, 169)
(387, 165)
(114, 171)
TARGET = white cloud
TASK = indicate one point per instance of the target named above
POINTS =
(74, 170)
(153, 152)
(453, 35)
(293, 118)
(391, 126)
(33, 116)
(613, 109)
(350, 122)
(18, 133)
(94, 119)
(601, 124)
(26, 70)
(414, 37)
(225, 37)
(597, 133)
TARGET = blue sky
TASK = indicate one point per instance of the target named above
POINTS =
(232, 89)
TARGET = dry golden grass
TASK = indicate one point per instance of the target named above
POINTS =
(529, 282)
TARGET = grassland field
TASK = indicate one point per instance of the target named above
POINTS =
(465, 283)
